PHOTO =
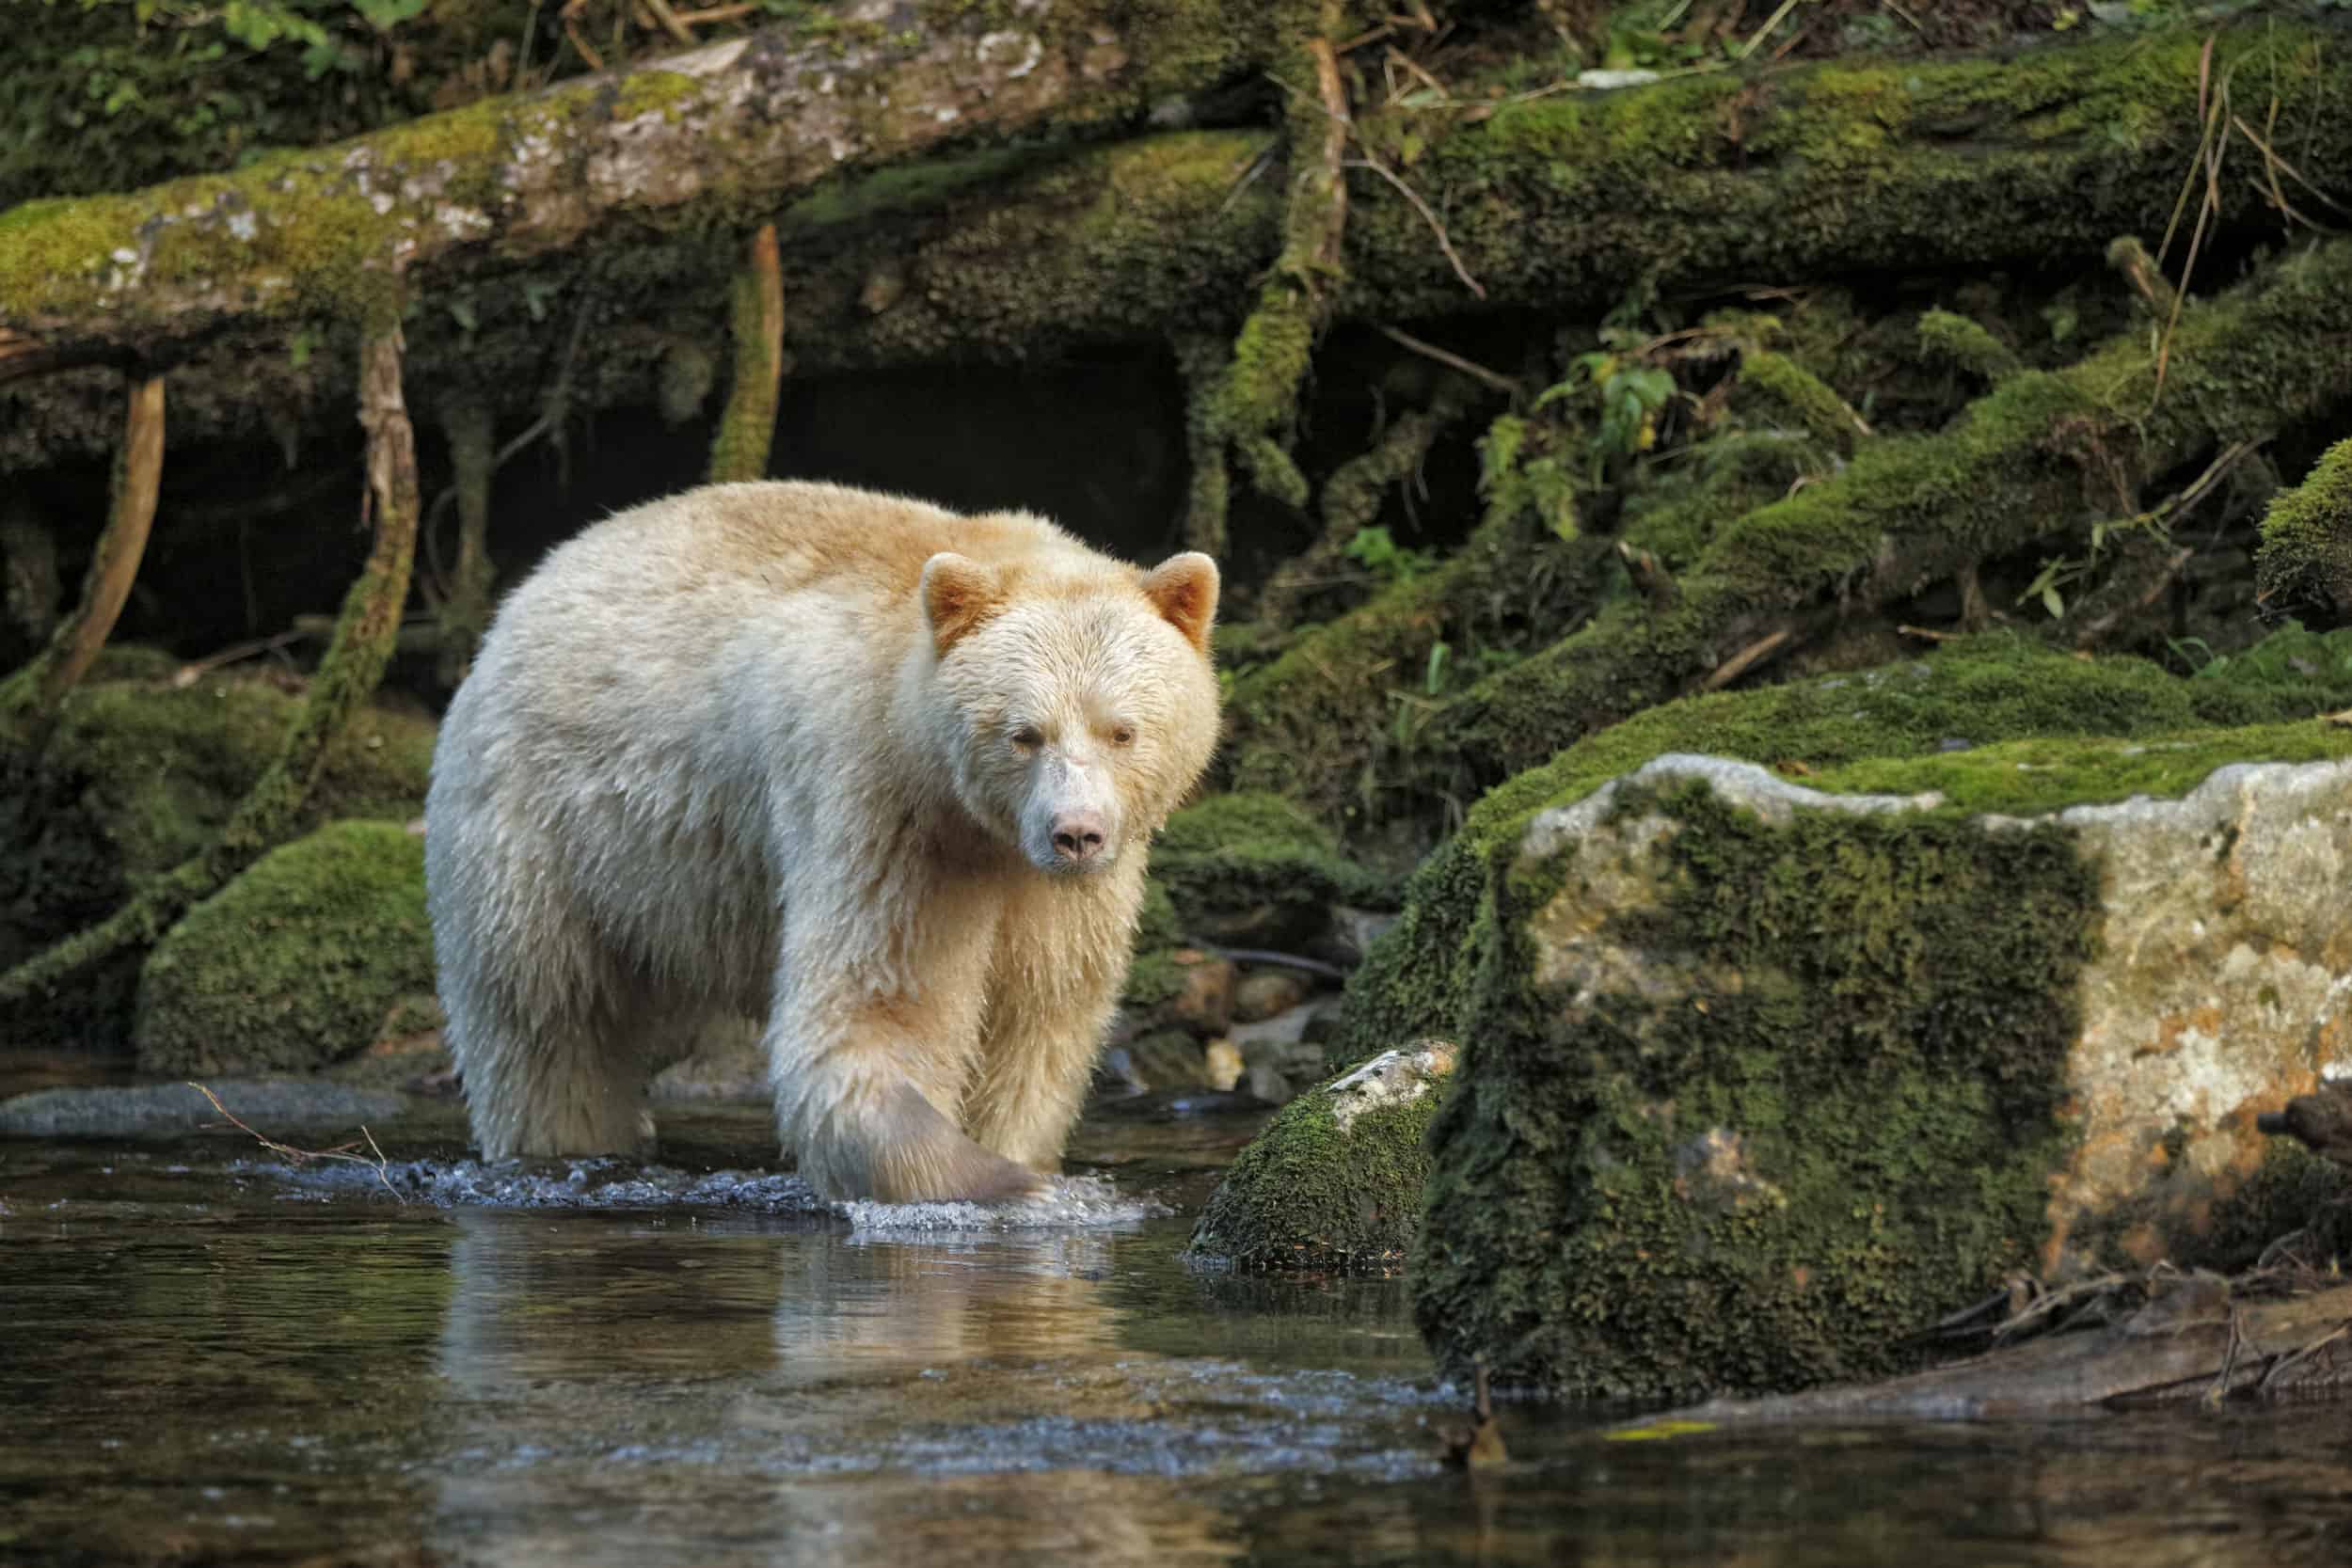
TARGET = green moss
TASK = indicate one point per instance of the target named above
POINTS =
(1954, 340)
(1991, 483)
(1307, 1195)
(140, 775)
(1331, 721)
(1256, 868)
(1882, 729)
(1836, 1132)
(2305, 563)
(1805, 397)
(297, 962)
(903, 188)
(2027, 776)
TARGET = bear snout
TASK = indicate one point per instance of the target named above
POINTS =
(1079, 836)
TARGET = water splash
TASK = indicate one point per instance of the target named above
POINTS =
(1072, 1202)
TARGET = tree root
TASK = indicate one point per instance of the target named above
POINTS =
(739, 451)
(1200, 359)
(346, 676)
(1255, 411)
(465, 612)
(1352, 496)
(30, 699)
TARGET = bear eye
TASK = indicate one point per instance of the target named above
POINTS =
(1123, 735)
(1028, 737)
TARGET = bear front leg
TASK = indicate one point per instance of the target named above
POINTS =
(1037, 1056)
(860, 1080)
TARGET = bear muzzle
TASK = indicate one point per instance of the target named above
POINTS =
(1079, 838)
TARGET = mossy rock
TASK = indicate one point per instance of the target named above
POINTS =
(300, 962)
(1256, 869)
(1762, 1080)
(2306, 559)
(140, 774)
(1886, 725)
(1335, 1180)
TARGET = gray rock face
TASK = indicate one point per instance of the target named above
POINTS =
(1761, 1079)
(276, 1106)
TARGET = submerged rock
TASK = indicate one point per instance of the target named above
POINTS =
(275, 1106)
(1335, 1179)
(1763, 1079)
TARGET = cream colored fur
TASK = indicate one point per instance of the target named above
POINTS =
(800, 753)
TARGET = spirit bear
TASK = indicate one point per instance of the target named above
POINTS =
(880, 774)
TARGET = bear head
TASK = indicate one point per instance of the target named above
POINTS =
(1082, 696)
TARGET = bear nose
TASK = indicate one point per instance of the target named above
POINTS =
(1078, 836)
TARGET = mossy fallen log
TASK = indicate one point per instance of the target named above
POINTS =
(983, 253)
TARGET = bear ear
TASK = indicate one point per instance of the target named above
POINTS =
(1183, 588)
(958, 594)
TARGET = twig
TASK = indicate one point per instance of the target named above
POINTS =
(1746, 659)
(1471, 368)
(189, 674)
(1283, 960)
(1444, 241)
(2280, 1367)
(1764, 32)
(670, 21)
(303, 1156)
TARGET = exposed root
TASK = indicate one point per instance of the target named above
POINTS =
(1352, 496)
(465, 611)
(1256, 408)
(348, 673)
(1201, 360)
(30, 699)
(740, 451)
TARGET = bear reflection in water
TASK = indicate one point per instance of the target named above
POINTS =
(628, 1393)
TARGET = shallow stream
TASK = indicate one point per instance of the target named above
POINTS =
(212, 1353)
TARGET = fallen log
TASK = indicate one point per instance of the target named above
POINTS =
(2194, 1341)
(1561, 203)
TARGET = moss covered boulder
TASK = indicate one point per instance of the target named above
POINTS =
(317, 951)
(1761, 1079)
(1968, 695)
(1254, 868)
(2306, 560)
(1335, 1180)
(139, 774)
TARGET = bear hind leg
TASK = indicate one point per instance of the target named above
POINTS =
(574, 1083)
